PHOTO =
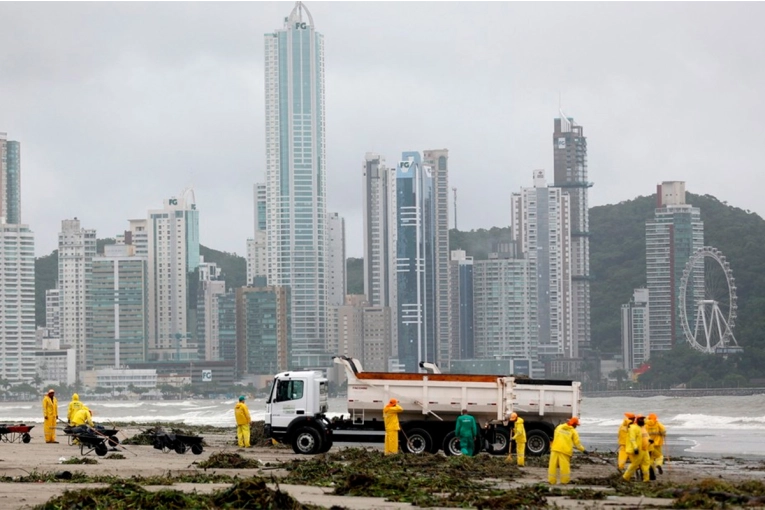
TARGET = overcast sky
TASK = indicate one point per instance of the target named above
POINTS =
(120, 105)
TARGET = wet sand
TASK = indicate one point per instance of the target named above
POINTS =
(18, 459)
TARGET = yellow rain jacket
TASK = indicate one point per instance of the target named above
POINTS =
(624, 432)
(82, 417)
(566, 439)
(519, 431)
(656, 431)
(242, 414)
(390, 415)
(74, 406)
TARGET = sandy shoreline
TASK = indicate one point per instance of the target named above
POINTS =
(18, 459)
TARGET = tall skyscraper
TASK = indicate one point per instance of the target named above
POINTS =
(542, 232)
(17, 293)
(118, 305)
(257, 250)
(570, 167)
(173, 256)
(673, 235)
(296, 180)
(636, 330)
(438, 161)
(415, 262)
(76, 249)
(335, 260)
(10, 180)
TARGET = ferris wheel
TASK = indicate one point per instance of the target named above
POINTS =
(708, 306)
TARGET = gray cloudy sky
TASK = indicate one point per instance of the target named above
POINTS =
(119, 105)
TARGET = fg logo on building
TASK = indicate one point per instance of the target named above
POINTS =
(206, 375)
(301, 25)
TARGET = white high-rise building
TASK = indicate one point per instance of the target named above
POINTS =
(505, 314)
(636, 330)
(173, 254)
(296, 180)
(139, 237)
(208, 323)
(671, 237)
(542, 231)
(76, 249)
(10, 180)
(438, 160)
(17, 293)
(52, 313)
(335, 259)
(571, 174)
(257, 250)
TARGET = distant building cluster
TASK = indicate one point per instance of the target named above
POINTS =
(149, 310)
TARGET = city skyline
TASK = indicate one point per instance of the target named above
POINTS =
(144, 99)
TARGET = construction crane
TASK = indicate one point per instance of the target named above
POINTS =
(454, 190)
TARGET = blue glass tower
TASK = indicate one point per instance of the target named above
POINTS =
(295, 181)
(415, 262)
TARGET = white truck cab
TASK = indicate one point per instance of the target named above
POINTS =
(295, 410)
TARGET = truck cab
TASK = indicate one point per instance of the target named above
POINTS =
(295, 411)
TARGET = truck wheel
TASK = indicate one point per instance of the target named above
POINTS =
(306, 441)
(501, 443)
(452, 445)
(419, 441)
(537, 443)
(326, 446)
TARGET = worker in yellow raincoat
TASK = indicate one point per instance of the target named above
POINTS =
(83, 417)
(242, 414)
(656, 433)
(565, 439)
(519, 436)
(50, 415)
(638, 443)
(74, 406)
(624, 434)
(390, 417)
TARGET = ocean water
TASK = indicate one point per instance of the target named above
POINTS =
(702, 426)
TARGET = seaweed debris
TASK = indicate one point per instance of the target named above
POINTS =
(115, 456)
(228, 460)
(79, 460)
(524, 497)
(244, 494)
(424, 480)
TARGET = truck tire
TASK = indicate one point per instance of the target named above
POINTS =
(537, 443)
(326, 446)
(419, 441)
(452, 445)
(501, 443)
(306, 441)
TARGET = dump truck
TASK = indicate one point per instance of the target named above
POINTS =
(296, 409)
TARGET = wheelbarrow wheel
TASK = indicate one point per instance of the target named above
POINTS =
(114, 441)
(26, 438)
(196, 449)
(101, 449)
(180, 448)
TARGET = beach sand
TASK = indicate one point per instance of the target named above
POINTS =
(18, 459)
